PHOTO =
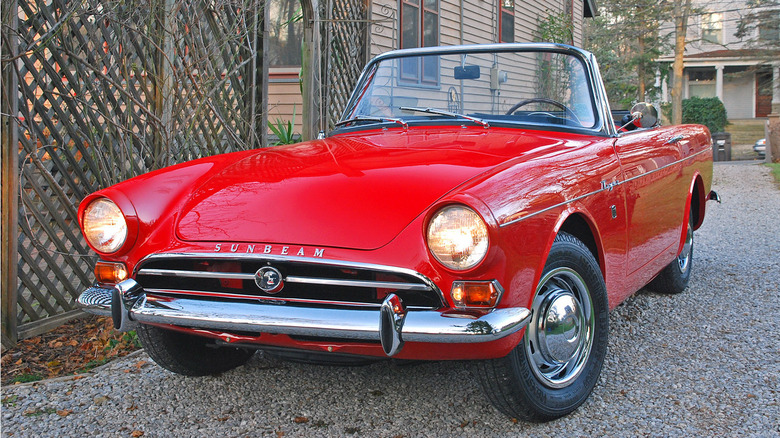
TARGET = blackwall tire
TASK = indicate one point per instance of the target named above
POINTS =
(189, 355)
(555, 367)
(675, 276)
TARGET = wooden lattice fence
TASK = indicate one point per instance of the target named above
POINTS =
(345, 30)
(95, 92)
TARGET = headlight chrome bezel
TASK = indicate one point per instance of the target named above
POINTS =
(474, 224)
(113, 217)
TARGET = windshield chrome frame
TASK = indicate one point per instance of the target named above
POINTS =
(604, 123)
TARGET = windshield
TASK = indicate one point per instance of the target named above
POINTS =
(528, 87)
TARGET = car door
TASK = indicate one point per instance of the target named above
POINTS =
(655, 196)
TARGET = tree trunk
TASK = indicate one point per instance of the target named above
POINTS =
(640, 69)
(681, 10)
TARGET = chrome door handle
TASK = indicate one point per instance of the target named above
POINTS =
(675, 139)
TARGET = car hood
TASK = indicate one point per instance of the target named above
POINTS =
(349, 191)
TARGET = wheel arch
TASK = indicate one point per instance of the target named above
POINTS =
(581, 226)
(696, 201)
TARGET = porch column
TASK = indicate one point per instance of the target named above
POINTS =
(665, 88)
(719, 82)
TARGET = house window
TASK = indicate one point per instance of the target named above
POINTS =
(506, 21)
(701, 82)
(712, 28)
(285, 31)
(420, 28)
(769, 31)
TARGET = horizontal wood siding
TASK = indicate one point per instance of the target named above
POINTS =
(384, 29)
(284, 97)
(479, 24)
(449, 26)
(479, 21)
(528, 16)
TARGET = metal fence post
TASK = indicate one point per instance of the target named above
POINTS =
(10, 182)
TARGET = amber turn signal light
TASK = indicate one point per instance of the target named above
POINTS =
(482, 294)
(110, 272)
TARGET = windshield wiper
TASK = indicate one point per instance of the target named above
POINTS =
(442, 112)
(372, 119)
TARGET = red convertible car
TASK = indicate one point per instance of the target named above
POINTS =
(474, 202)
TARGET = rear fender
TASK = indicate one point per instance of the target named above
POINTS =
(696, 204)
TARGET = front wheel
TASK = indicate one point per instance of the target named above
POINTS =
(555, 367)
(187, 354)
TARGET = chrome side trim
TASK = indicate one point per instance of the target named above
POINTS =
(417, 326)
(607, 187)
(306, 260)
(291, 279)
(552, 207)
(666, 166)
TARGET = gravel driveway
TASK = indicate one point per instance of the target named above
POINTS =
(702, 363)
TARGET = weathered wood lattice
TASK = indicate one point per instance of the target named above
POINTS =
(108, 90)
(345, 31)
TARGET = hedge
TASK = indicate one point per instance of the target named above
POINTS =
(708, 111)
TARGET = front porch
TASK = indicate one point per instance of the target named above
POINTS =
(742, 79)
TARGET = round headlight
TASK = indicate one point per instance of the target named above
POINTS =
(104, 225)
(458, 237)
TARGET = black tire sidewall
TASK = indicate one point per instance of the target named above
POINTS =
(189, 355)
(549, 403)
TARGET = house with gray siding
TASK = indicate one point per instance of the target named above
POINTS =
(400, 24)
(718, 63)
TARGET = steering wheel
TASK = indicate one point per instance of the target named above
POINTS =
(553, 102)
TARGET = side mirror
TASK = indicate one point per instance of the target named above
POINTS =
(646, 114)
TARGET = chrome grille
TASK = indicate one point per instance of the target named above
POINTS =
(306, 281)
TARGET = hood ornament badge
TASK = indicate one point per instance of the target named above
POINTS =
(269, 280)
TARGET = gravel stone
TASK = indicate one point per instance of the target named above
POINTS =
(701, 363)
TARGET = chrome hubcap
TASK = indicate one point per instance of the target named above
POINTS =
(561, 326)
(683, 260)
(559, 338)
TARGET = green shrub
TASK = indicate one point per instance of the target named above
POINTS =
(284, 131)
(708, 111)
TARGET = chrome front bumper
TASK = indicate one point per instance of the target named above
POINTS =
(392, 325)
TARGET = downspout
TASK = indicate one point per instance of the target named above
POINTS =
(461, 22)
(460, 109)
